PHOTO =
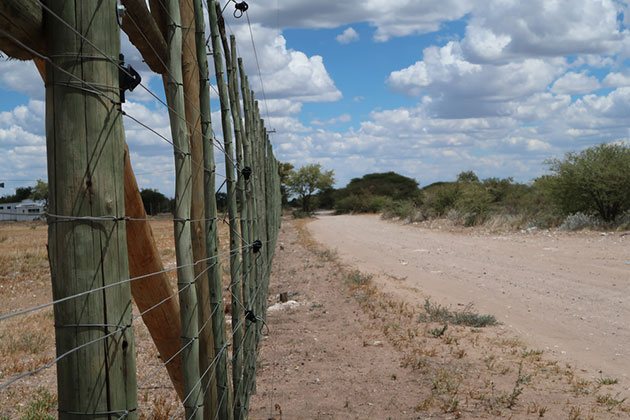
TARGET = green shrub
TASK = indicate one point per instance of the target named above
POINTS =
(437, 313)
(474, 203)
(300, 214)
(403, 210)
(364, 203)
(41, 406)
(596, 180)
(439, 199)
(580, 221)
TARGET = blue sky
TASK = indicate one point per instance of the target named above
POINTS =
(425, 88)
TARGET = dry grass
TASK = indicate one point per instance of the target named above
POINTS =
(27, 342)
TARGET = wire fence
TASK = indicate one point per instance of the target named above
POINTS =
(95, 237)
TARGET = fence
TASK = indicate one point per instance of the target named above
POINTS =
(101, 248)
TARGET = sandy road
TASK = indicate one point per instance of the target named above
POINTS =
(565, 293)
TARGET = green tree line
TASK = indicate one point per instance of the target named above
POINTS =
(588, 187)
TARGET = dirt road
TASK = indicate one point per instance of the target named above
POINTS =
(565, 293)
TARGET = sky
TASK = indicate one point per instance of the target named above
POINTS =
(424, 88)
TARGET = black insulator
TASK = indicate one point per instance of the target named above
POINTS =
(247, 172)
(128, 78)
(250, 316)
(240, 8)
(257, 246)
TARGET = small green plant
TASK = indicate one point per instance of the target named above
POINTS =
(40, 407)
(357, 278)
(438, 332)
(609, 401)
(575, 413)
(607, 381)
(438, 313)
(521, 380)
(326, 254)
(532, 354)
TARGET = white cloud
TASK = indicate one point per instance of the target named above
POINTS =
(347, 36)
(286, 73)
(616, 79)
(502, 30)
(343, 118)
(458, 88)
(608, 112)
(391, 19)
(573, 83)
(23, 77)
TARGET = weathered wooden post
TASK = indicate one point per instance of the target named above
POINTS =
(235, 267)
(215, 304)
(163, 321)
(191, 75)
(244, 183)
(183, 245)
(249, 373)
(87, 241)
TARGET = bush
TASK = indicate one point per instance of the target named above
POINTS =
(437, 313)
(580, 221)
(474, 203)
(365, 203)
(596, 180)
(441, 198)
(300, 214)
(403, 210)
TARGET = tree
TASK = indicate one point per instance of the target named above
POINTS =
(40, 192)
(467, 176)
(284, 170)
(596, 180)
(154, 201)
(387, 184)
(21, 194)
(307, 181)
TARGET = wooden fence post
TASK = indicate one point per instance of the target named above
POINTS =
(191, 78)
(212, 252)
(249, 372)
(235, 266)
(85, 151)
(183, 194)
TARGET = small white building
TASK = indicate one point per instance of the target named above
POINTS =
(26, 211)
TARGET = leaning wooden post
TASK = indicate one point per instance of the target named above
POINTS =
(154, 287)
(212, 244)
(183, 193)
(235, 271)
(85, 148)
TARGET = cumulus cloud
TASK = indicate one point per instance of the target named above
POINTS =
(343, 118)
(500, 30)
(286, 73)
(391, 19)
(573, 83)
(23, 77)
(347, 36)
(458, 88)
(616, 79)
